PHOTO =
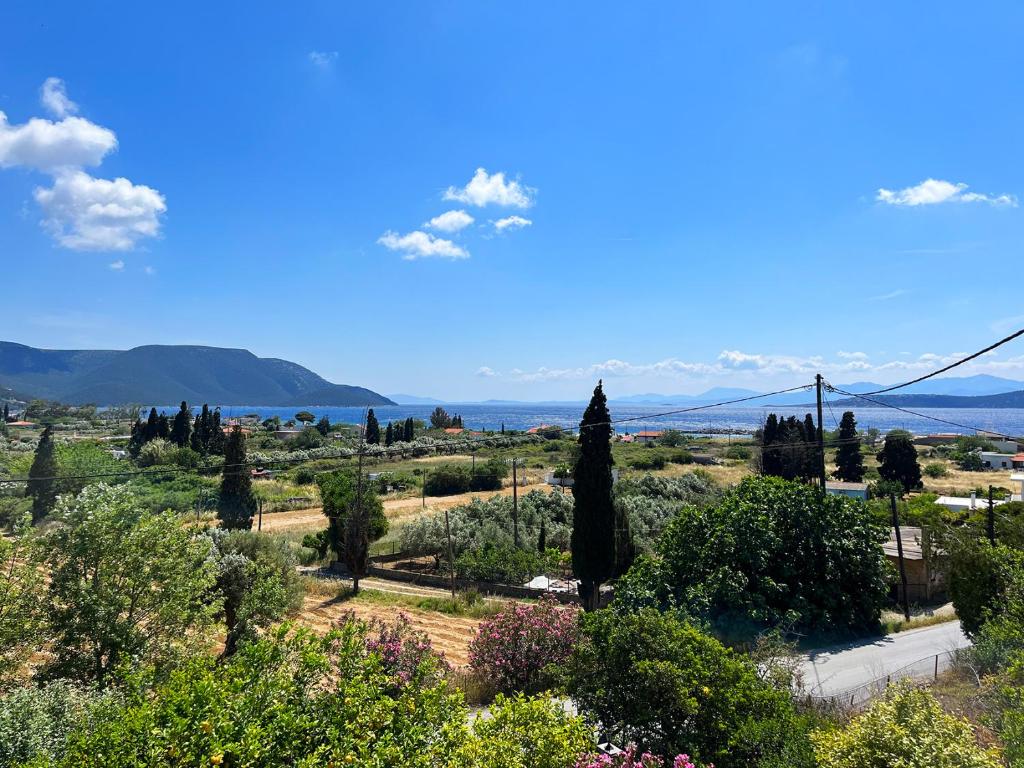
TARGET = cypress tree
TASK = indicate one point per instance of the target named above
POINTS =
(372, 428)
(218, 439)
(410, 430)
(7, 412)
(898, 462)
(237, 504)
(42, 486)
(202, 431)
(625, 551)
(593, 530)
(163, 427)
(137, 439)
(542, 537)
(389, 434)
(849, 460)
(811, 465)
(152, 428)
(770, 454)
(181, 428)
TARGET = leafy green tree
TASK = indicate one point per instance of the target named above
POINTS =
(305, 417)
(181, 429)
(440, 419)
(324, 426)
(22, 608)
(353, 523)
(593, 531)
(256, 581)
(372, 428)
(125, 584)
(906, 727)
(42, 482)
(849, 461)
(236, 505)
(669, 688)
(898, 461)
(771, 553)
(979, 577)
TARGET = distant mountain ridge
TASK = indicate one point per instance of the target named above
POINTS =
(169, 373)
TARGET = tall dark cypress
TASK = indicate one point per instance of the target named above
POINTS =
(410, 430)
(593, 530)
(137, 439)
(163, 427)
(769, 453)
(7, 412)
(237, 504)
(181, 428)
(42, 486)
(810, 463)
(389, 434)
(217, 437)
(849, 460)
(151, 430)
(372, 428)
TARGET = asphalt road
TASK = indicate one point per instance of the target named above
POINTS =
(841, 668)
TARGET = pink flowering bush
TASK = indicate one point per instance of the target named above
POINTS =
(630, 759)
(404, 653)
(512, 650)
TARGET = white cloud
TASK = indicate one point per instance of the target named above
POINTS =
(85, 213)
(417, 244)
(935, 191)
(486, 371)
(117, 266)
(450, 221)
(484, 189)
(149, 270)
(47, 146)
(852, 355)
(323, 59)
(55, 98)
(889, 296)
(511, 222)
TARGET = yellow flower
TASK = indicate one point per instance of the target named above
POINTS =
(217, 759)
(206, 726)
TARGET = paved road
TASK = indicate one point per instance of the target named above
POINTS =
(841, 668)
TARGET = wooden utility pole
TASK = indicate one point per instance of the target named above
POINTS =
(423, 497)
(259, 524)
(899, 552)
(821, 437)
(991, 518)
(515, 503)
(451, 552)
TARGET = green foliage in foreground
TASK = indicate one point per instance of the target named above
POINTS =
(670, 688)
(297, 699)
(906, 727)
(770, 553)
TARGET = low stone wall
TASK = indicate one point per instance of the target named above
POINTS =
(444, 582)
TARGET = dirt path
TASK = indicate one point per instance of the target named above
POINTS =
(312, 519)
(449, 634)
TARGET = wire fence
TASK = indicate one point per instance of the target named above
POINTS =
(925, 669)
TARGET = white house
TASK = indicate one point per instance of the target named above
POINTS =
(853, 490)
(993, 460)
(965, 504)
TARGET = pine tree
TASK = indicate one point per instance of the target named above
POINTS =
(372, 428)
(324, 426)
(440, 419)
(593, 531)
(237, 504)
(389, 434)
(849, 460)
(897, 462)
(181, 428)
(42, 485)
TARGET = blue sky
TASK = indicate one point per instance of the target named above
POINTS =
(701, 184)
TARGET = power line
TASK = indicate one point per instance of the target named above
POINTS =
(949, 367)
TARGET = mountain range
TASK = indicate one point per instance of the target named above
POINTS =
(168, 374)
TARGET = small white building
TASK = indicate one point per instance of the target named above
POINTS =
(853, 490)
(993, 460)
(964, 503)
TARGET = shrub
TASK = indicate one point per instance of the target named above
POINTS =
(514, 649)
(670, 688)
(156, 451)
(631, 758)
(502, 564)
(906, 727)
(971, 462)
(979, 576)
(304, 476)
(447, 480)
(681, 457)
(656, 461)
(936, 470)
(737, 452)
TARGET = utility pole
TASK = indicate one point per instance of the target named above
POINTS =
(359, 515)
(899, 552)
(451, 553)
(259, 524)
(423, 497)
(991, 519)
(821, 437)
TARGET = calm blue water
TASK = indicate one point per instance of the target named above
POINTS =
(491, 417)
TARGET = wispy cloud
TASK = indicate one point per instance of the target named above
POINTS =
(421, 245)
(935, 191)
(492, 189)
(323, 59)
(511, 222)
(117, 266)
(54, 96)
(486, 371)
(890, 295)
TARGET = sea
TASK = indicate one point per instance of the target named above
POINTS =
(634, 418)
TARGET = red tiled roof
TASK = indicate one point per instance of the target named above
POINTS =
(21, 423)
(649, 434)
(453, 430)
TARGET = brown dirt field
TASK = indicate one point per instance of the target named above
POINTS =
(448, 634)
(396, 509)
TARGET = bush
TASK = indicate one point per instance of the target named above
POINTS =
(669, 688)
(741, 452)
(447, 480)
(936, 470)
(657, 461)
(156, 451)
(514, 649)
(304, 476)
(503, 564)
(971, 462)
(979, 577)
(681, 457)
(771, 553)
(906, 727)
